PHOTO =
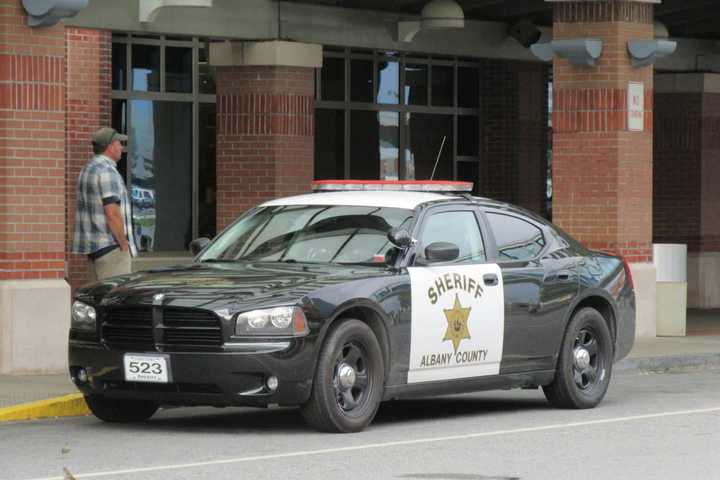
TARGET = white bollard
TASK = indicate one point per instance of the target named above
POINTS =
(671, 267)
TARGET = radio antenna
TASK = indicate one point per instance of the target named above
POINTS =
(438, 156)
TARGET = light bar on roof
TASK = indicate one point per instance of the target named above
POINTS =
(391, 185)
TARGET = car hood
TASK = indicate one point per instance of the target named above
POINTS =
(224, 286)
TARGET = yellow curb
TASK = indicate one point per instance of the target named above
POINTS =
(67, 406)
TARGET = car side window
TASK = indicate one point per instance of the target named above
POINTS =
(460, 228)
(516, 239)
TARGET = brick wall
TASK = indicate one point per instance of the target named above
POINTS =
(677, 169)
(710, 178)
(265, 136)
(686, 200)
(602, 173)
(89, 57)
(514, 133)
(32, 147)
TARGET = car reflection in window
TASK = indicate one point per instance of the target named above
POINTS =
(313, 234)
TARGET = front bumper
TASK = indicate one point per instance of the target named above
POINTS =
(201, 378)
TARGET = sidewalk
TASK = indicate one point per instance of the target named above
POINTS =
(699, 350)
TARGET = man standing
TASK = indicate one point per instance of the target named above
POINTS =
(103, 223)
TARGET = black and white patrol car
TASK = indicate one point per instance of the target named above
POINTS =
(338, 300)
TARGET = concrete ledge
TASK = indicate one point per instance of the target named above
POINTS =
(700, 361)
(34, 324)
(66, 406)
(274, 53)
(645, 298)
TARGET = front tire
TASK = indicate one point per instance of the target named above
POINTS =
(348, 384)
(584, 366)
(120, 411)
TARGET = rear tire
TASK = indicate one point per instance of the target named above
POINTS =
(120, 411)
(348, 384)
(584, 365)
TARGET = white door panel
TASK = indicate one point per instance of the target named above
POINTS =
(457, 322)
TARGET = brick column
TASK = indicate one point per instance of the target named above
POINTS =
(602, 172)
(34, 298)
(89, 57)
(265, 136)
(32, 131)
(265, 124)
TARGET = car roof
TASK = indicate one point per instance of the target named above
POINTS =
(375, 198)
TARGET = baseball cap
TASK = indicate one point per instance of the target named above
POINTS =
(106, 135)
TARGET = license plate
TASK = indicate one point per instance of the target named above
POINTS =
(147, 368)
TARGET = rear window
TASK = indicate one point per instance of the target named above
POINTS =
(516, 238)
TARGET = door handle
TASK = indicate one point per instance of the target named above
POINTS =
(564, 275)
(490, 279)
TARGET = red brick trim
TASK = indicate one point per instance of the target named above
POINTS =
(32, 83)
(595, 110)
(265, 114)
(31, 265)
(634, 252)
(603, 11)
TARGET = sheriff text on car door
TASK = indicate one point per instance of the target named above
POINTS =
(457, 322)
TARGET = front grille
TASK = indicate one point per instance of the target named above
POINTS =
(131, 327)
(184, 327)
(179, 329)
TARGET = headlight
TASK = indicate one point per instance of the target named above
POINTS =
(83, 316)
(285, 321)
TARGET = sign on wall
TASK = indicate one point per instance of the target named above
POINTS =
(636, 106)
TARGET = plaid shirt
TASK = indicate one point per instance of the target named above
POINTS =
(100, 184)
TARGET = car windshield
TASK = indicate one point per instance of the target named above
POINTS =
(309, 234)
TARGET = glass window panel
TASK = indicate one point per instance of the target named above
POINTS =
(146, 68)
(469, 172)
(468, 87)
(333, 79)
(119, 123)
(423, 141)
(459, 228)
(516, 239)
(329, 144)
(388, 82)
(178, 70)
(374, 140)
(119, 66)
(443, 86)
(161, 177)
(364, 152)
(416, 84)
(468, 136)
(206, 73)
(361, 80)
(389, 145)
(207, 197)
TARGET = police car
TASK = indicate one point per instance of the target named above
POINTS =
(361, 292)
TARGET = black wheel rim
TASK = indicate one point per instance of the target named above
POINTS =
(588, 363)
(351, 379)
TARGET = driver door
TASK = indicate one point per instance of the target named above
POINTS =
(457, 304)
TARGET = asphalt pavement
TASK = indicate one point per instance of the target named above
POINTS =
(650, 426)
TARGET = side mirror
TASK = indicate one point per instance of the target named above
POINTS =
(400, 237)
(441, 252)
(198, 244)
